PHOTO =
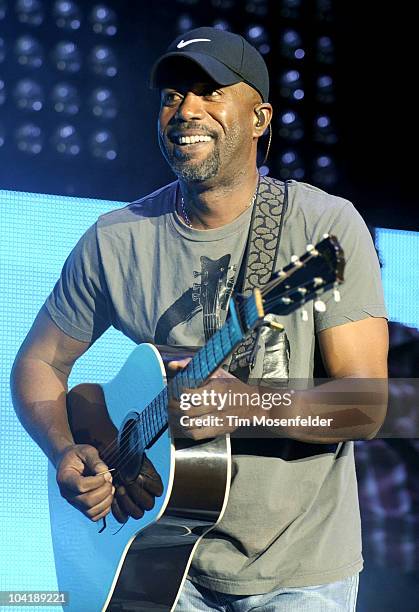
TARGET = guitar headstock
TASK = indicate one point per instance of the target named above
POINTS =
(306, 277)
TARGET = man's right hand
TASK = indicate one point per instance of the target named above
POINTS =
(81, 483)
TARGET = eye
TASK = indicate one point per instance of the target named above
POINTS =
(213, 93)
(170, 98)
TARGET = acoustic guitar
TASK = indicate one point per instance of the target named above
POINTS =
(142, 565)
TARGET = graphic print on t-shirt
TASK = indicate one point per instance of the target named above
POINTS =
(213, 290)
(208, 297)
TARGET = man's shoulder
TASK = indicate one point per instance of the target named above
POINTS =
(155, 204)
(314, 202)
(307, 200)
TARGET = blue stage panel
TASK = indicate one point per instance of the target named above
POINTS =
(37, 233)
(399, 253)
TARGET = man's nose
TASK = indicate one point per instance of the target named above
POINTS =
(190, 108)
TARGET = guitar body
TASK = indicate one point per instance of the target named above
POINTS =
(141, 565)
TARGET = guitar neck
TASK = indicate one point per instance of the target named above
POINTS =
(154, 419)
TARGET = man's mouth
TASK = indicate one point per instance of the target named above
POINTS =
(189, 140)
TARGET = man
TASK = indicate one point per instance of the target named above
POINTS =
(290, 536)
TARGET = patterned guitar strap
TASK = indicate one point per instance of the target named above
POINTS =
(259, 259)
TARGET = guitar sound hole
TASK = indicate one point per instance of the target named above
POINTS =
(131, 452)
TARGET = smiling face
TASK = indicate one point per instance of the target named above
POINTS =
(206, 131)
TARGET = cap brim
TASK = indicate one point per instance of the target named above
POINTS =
(220, 73)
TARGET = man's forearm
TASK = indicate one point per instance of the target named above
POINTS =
(342, 409)
(39, 399)
(346, 409)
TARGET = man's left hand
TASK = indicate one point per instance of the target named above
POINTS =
(219, 404)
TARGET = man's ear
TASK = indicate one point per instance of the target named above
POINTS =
(263, 116)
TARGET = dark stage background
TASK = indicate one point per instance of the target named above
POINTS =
(354, 59)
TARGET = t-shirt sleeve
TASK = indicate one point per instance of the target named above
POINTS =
(79, 303)
(361, 293)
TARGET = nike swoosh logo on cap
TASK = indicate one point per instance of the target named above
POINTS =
(184, 43)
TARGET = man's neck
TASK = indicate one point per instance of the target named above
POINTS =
(211, 206)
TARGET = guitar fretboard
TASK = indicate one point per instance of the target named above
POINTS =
(154, 419)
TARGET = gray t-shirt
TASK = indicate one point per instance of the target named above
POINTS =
(292, 519)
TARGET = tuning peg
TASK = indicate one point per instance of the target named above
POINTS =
(304, 315)
(310, 248)
(319, 306)
(336, 295)
(296, 260)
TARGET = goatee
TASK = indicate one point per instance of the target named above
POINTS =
(195, 172)
(186, 169)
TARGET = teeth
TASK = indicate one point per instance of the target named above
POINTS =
(193, 139)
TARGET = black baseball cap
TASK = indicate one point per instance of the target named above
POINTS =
(226, 57)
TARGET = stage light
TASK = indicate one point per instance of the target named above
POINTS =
(291, 45)
(29, 139)
(264, 170)
(103, 146)
(29, 52)
(324, 170)
(220, 24)
(291, 85)
(30, 12)
(2, 92)
(65, 99)
(184, 23)
(103, 61)
(66, 140)
(67, 15)
(291, 126)
(257, 7)
(28, 95)
(325, 50)
(3, 9)
(324, 131)
(2, 50)
(325, 89)
(2, 135)
(103, 103)
(66, 57)
(291, 165)
(103, 20)
(258, 37)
